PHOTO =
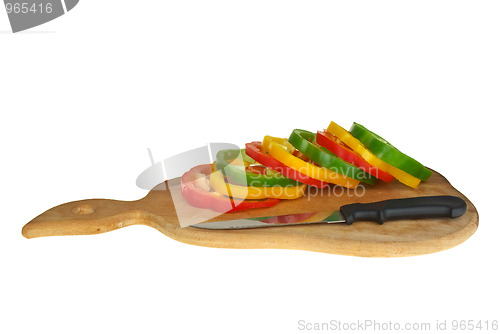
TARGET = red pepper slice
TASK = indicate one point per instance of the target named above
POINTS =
(254, 151)
(256, 169)
(192, 184)
(337, 147)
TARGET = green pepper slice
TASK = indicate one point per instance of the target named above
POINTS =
(388, 153)
(233, 163)
(305, 142)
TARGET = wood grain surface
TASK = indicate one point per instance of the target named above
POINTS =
(367, 239)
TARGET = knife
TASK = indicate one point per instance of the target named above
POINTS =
(392, 209)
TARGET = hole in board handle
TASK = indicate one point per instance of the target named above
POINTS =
(83, 209)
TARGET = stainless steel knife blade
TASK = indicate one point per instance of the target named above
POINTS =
(274, 221)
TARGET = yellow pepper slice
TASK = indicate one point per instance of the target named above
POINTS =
(351, 141)
(281, 150)
(218, 183)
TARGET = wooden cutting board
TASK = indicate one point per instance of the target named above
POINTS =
(368, 239)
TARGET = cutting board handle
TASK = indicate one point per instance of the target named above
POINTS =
(85, 217)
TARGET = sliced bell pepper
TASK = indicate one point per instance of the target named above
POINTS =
(305, 141)
(366, 154)
(337, 147)
(281, 149)
(388, 153)
(219, 184)
(235, 164)
(195, 190)
(254, 150)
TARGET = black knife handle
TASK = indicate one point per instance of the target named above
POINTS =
(405, 208)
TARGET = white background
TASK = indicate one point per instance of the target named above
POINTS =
(84, 96)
